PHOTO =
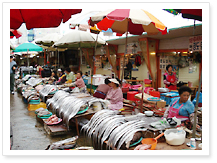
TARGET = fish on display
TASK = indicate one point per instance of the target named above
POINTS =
(63, 144)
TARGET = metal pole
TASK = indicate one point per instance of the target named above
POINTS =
(196, 107)
(58, 60)
(80, 57)
(122, 74)
(28, 60)
(141, 108)
(93, 63)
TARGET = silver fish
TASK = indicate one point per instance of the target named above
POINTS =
(66, 142)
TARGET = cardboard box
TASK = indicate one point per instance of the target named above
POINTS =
(161, 104)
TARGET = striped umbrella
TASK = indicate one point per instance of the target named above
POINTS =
(15, 33)
(134, 21)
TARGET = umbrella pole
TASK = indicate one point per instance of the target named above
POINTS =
(80, 57)
(55, 59)
(196, 107)
(28, 60)
(122, 75)
(93, 63)
(58, 60)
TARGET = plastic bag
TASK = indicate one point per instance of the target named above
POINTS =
(76, 90)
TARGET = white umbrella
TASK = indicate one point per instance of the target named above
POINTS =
(78, 39)
(49, 39)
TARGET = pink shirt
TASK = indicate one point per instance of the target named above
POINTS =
(80, 83)
(104, 88)
(114, 95)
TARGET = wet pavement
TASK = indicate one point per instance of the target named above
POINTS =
(28, 133)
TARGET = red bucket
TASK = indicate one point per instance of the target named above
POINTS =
(131, 95)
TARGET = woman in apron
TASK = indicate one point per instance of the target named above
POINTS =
(181, 107)
(114, 95)
(170, 79)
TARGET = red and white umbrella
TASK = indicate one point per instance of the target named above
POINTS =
(40, 18)
(134, 21)
(15, 33)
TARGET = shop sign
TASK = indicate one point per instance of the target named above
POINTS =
(195, 43)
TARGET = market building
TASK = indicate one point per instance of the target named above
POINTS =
(114, 92)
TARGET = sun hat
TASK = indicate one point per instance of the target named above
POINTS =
(114, 81)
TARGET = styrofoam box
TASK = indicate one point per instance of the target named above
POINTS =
(99, 79)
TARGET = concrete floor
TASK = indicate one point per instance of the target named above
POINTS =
(28, 133)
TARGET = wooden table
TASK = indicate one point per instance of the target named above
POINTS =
(145, 98)
(60, 128)
(88, 114)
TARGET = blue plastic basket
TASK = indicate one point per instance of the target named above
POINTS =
(34, 101)
(85, 81)
(82, 111)
(53, 92)
(45, 116)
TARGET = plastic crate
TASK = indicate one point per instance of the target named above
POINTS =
(33, 107)
(168, 96)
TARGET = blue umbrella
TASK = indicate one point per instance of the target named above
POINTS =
(26, 47)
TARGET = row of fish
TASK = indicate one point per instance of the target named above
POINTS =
(34, 81)
(46, 90)
(67, 105)
(117, 129)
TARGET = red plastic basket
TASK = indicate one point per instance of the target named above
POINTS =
(154, 93)
(147, 81)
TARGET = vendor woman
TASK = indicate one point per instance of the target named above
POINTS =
(102, 89)
(170, 79)
(115, 95)
(70, 77)
(80, 82)
(181, 107)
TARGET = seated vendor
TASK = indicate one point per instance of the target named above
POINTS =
(62, 77)
(70, 77)
(102, 89)
(80, 82)
(54, 76)
(115, 95)
(181, 107)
